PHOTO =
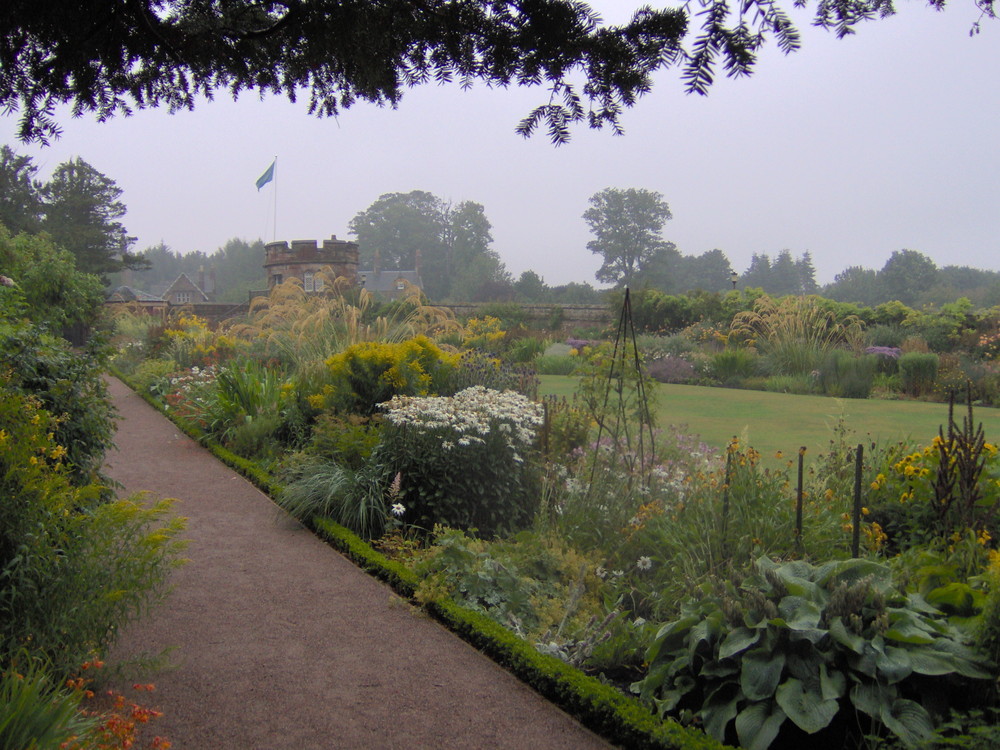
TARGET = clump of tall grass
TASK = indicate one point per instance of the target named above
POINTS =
(795, 333)
(302, 328)
(354, 499)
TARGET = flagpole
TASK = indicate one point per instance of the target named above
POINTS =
(274, 225)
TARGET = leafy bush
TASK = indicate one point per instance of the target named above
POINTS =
(68, 385)
(367, 374)
(732, 364)
(465, 460)
(525, 349)
(534, 584)
(814, 646)
(918, 372)
(242, 408)
(73, 569)
(843, 375)
(556, 364)
(884, 335)
(50, 290)
(346, 441)
(475, 367)
(671, 369)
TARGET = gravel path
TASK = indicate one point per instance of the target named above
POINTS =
(281, 642)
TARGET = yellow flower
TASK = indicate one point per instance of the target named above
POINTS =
(3, 436)
(57, 452)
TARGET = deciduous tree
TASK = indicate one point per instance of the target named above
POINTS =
(626, 225)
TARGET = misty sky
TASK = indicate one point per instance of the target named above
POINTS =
(849, 149)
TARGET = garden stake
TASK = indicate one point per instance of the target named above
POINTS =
(798, 502)
(725, 499)
(856, 518)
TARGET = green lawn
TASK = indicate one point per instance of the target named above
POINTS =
(772, 421)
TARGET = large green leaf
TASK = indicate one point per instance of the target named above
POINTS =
(851, 571)
(894, 664)
(908, 720)
(800, 613)
(956, 598)
(760, 673)
(908, 627)
(796, 576)
(832, 684)
(931, 662)
(846, 638)
(871, 698)
(738, 640)
(670, 636)
(806, 708)
(757, 725)
(719, 709)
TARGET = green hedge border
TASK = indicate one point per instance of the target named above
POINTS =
(603, 709)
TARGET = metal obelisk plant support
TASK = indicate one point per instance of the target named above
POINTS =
(624, 358)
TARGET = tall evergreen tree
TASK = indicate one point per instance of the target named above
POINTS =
(20, 194)
(807, 274)
(82, 212)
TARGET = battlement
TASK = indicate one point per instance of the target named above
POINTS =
(303, 258)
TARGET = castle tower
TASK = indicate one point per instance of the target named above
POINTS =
(305, 258)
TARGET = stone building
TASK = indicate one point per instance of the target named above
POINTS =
(306, 258)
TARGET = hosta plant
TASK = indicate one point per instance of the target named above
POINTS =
(803, 649)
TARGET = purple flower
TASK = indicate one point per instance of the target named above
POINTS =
(893, 352)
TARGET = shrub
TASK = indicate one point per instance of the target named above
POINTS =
(885, 336)
(486, 333)
(241, 409)
(68, 385)
(534, 584)
(846, 376)
(733, 363)
(475, 367)
(556, 364)
(346, 441)
(368, 374)
(816, 647)
(525, 349)
(73, 569)
(918, 372)
(671, 370)
(465, 460)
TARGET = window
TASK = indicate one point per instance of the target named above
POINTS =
(182, 298)
(307, 281)
(319, 284)
(276, 279)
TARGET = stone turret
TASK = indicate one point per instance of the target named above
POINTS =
(305, 258)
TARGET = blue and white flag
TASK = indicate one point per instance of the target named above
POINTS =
(267, 176)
